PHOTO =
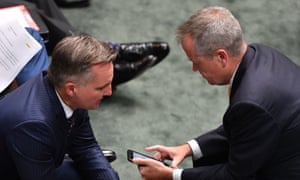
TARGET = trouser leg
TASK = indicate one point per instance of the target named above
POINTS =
(68, 171)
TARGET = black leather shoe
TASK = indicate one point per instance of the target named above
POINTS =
(72, 3)
(109, 154)
(125, 71)
(132, 52)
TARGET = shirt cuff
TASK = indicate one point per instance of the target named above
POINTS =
(197, 153)
(177, 174)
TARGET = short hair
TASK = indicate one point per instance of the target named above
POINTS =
(73, 57)
(213, 28)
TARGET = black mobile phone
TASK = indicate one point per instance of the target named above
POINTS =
(131, 154)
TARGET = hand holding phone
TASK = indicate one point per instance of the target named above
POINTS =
(131, 154)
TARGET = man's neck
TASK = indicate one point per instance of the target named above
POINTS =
(62, 98)
(236, 62)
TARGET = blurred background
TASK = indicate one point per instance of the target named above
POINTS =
(169, 104)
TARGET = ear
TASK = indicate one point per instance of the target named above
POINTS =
(70, 88)
(222, 57)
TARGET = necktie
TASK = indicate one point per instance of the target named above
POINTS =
(229, 91)
(71, 122)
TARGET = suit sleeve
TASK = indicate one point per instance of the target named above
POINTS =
(88, 155)
(252, 137)
(31, 149)
(214, 147)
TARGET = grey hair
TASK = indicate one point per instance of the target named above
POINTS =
(73, 57)
(213, 28)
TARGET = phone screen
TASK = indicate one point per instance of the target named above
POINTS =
(133, 154)
(138, 155)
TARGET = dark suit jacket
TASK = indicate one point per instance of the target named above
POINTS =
(35, 136)
(261, 127)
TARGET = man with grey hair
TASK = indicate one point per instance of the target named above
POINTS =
(46, 119)
(257, 139)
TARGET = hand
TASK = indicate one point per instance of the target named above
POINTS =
(176, 154)
(153, 170)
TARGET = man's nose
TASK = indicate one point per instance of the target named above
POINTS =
(195, 67)
(107, 91)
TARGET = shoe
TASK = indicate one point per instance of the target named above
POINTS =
(125, 71)
(132, 52)
(109, 154)
(72, 3)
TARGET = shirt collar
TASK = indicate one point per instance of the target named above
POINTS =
(68, 111)
(232, 77)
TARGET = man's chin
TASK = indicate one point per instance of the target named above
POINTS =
(94, 107)
(211, 83)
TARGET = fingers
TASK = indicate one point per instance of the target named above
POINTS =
(176, 154)
(152, 169)
(158, 155)
(146, 162)
(139, 162)
(155, 148)
(175, 163)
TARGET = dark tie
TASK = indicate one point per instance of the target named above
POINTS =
(71, 122)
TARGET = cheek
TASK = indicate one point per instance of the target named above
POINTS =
(90, 95)
(212, 69)
(95, 95)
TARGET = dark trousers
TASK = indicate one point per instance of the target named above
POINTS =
(68, 171)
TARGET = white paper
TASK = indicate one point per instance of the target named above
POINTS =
(19, 12)
(17, 47)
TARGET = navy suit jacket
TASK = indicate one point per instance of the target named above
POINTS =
(35, 136)
(261, 127)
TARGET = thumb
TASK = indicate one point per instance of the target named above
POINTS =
(175, 163)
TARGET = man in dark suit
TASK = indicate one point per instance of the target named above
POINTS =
(45, 121)
(258, 137)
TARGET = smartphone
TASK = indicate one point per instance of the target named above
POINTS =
(131, 154)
